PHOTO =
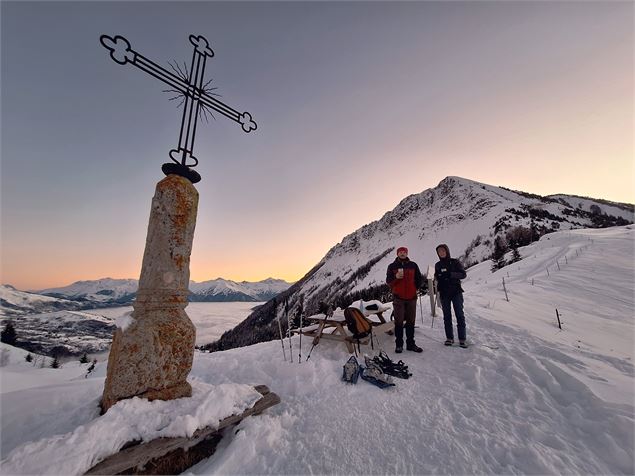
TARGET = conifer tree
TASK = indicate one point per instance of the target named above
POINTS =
(8, 334)
(83, 359)
(55, 364)
(498, 256)
(28, 358)
(515, 255)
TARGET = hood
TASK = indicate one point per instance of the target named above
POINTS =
(447, 250)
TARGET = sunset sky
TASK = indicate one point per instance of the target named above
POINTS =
(358, 105)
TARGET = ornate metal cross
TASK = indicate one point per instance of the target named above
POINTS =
(191, 87)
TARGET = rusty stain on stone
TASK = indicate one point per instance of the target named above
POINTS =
(153, 357)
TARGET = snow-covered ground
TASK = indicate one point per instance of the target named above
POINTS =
(526, 397)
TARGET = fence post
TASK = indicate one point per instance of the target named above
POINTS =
(505, 289)
(558, 264)
(547, 271)
(558, 316)
(565, 260)
(532, 281)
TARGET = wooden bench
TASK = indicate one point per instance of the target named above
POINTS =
(336, 324)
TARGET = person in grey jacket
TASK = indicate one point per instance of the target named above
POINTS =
(448, 273)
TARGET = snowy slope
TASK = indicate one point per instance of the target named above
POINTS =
(605, 206)
(97, 291)
(525, 398)
(16, 303)
(462, 213)
(64, 332)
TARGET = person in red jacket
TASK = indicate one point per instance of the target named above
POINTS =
(404, 278)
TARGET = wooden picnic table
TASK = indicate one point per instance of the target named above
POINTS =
(338, 330)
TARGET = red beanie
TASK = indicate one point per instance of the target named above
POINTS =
(402, 248)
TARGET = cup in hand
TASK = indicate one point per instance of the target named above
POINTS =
(400, 273)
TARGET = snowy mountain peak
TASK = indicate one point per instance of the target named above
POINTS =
(465, 214)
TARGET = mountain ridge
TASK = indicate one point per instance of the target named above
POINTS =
(109, 292)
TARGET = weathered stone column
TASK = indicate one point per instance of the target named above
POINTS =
(152, 357)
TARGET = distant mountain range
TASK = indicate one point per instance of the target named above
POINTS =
(108, 292)
(50, 322)
(466, 215)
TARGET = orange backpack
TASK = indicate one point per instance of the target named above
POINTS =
(357, 323)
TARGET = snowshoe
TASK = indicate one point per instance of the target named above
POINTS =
(351, 370)
(373, 374)
(398, 369)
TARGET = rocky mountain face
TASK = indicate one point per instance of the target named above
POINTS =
(466, 215)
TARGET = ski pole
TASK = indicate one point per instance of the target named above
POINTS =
(284, 354)
(420, 309)
(286, 311)
(301, 312)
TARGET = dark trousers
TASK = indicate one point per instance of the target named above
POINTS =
(457, 303)
(405, 315)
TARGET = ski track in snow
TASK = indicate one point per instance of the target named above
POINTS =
(524, 398)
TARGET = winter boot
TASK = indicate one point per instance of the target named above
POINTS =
(463, 344)
(398, 339)
(449, 342)
(410, 339)
(414, 347)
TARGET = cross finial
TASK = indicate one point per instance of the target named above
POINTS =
(191, 87)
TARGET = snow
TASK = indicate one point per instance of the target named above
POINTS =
(525, 397)
(124, 321)
(131, 420)
(99, 290)
(16, 302)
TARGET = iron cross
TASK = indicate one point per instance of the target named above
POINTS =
(192, 89)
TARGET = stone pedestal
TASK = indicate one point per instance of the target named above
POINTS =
(152, 357)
